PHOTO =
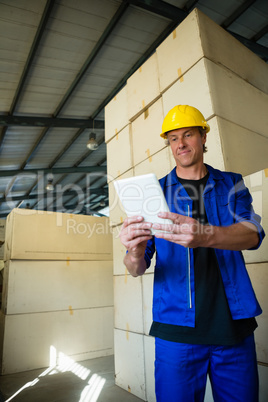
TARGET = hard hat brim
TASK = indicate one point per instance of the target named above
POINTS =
(206, 127)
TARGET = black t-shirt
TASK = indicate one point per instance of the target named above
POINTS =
(214, 324)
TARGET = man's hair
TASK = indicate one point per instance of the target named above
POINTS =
(202, 132)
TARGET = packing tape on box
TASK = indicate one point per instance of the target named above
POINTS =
(266, 172)
(180, 75)
(148, 154)
(174, 33)
(71, 310)
(143, 103)
(140, 69)
(68, 261)
(146, 113)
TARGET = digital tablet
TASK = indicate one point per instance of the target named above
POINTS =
(142, 195)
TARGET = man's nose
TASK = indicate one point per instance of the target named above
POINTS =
(181, 142)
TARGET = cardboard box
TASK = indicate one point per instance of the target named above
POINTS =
(221, 47)
(129, 362)
(119, 162)
(240, 147)
(39, 235)
(146, 130)
(207, 39)
(259, 277)
(42, 286)
(214, 156)
(128, 311)
(143, 87)
(116, 114)
(236, 100)
(147, 298)
(119, 252)
(192, 89)
(179, 52)
(36, 340)
(160, 163)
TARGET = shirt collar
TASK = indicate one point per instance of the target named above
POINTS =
(172, 178)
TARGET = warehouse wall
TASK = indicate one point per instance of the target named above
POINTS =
(202, 65)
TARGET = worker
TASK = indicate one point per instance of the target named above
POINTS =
(204, 306)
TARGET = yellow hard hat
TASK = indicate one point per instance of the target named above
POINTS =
(182, 116)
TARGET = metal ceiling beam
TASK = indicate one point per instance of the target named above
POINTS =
(237, 13)
(260, 34)
(161, 8)
(59, 170)
(34, 147)
(66, 147)
(38, 121)
(108, 30)
(190, 5)
(2, 136)
(92, 191)
(42, 25)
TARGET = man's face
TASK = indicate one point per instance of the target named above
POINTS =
(187, 146)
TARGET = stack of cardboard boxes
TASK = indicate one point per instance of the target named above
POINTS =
(199, 64)
(57, 291)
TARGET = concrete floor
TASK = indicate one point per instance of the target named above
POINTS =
(86, 381)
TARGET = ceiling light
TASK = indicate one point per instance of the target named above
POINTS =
(92, 143)
(49, 186)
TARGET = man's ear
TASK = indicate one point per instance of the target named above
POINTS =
(204, 138)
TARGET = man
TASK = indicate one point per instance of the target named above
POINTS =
(203, 304)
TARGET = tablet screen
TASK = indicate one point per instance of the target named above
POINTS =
(142, 195)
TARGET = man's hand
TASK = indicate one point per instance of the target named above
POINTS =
(186, 231)
(134, 235)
